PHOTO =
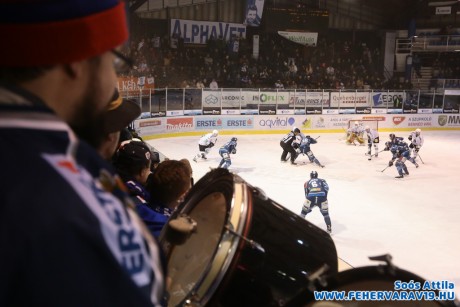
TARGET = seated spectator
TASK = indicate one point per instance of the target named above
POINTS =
(279, 84)
(213, 85)
(121, 112)
(132, 162)
(189, 166)
(155, 160)
(199, 84)
(168, 186)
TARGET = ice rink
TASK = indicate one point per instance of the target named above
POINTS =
(415, 219)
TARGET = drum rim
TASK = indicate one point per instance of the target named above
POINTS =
(228, 255)
(223, 257)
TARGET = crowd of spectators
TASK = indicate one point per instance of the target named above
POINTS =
(338, 61)
(445, 71)
(332, 64)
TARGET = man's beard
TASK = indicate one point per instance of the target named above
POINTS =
(88, 122)
(88, 125)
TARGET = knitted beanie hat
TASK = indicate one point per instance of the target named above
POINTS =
(43, 32)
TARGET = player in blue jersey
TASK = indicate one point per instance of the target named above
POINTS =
(225, 151)
(304, 148)
(401, 153)
(394, 140)
(316, 190)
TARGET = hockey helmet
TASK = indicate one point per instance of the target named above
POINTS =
(234, 139)
(392, 136)
(314, 174)
(215, 132)
(368, 128)
(356, 123)
(417, 131)
(296, 130)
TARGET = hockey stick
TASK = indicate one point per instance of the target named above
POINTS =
(384, 169)
(377, 152)
(420, 158)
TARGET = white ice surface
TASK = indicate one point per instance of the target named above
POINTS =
(415, 219)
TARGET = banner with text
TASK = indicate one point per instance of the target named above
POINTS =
(132, 86)
(303, 38)
(198, 32)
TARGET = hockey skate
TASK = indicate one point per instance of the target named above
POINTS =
(194, 159)
(329, 229)
(400, 176)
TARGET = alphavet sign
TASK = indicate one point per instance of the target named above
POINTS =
(198, 32)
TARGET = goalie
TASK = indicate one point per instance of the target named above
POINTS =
(205, 144)
(355, 133)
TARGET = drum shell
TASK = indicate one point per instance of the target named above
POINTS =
(293, 249)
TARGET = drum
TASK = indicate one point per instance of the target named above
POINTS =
(246, 250)
(369, 278)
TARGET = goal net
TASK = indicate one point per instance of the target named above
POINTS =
(372, 123)
(361, 124)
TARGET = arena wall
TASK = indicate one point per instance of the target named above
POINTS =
(160, 127)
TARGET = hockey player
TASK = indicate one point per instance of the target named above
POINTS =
(316, 190)
(355, 133)
(416, 139)
(205, 144)
(225, 151)
(372, 139)
(394, 140)
(401, 153)
(304, 148)
(286, 144)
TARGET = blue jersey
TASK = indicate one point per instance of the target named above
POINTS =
(400, 149)
(316, 187)
(305, 144)
(229, 147)
(65, 217)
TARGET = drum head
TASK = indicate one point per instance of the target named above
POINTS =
(196, 266)
(189, 262)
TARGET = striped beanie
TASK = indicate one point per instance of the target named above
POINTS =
(49, 32)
